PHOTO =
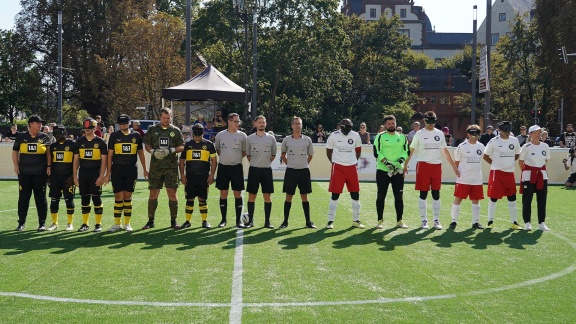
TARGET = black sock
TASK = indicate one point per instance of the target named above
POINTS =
(223, 208)
(267, 211)
(306, 207)
(380, 199)
(250, 211)
(287, 205)
(238, 206)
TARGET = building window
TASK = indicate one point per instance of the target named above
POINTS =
(433, 100)
(405, 32)
(495, 38)
(372, 13)
(502, 16)
(402, 13)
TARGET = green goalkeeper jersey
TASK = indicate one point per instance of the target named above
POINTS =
(393, 148)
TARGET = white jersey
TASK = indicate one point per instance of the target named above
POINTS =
(344, 147)
(470, 167)
(503, 153)
(428, 144)
(534, 156)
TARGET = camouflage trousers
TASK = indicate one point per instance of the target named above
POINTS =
(158, 177)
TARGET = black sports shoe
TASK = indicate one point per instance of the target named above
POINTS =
(186, 224)
(148, 225)
(268, 225)
(452, 225)
(20, 227)
(222, 224)
(284, 224)
(83, 228)
(205, 224)
(41, 228)
(490, 223)
(174, 224)
(477, 226)
(310, 225)
(240, 225)
(97, 228)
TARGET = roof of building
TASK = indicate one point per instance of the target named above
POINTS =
(522, 6)
(448, 38)
(440, 80)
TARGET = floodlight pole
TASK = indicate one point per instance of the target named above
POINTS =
(474, 33)
(255, 64)
(59, 108)
(188, 56)
(488, 50)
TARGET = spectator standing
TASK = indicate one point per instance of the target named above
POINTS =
(319, 135)
(415, 129)
(364, 135)
(11, 135)
(486, 137)
(136, 127)
(218, 123)
(545, 139)
(209, 132)
(522, 137)
(200, 121)
(447, 136)
(568, 138)
(399, 130)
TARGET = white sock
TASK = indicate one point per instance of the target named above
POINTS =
(455, 212)
(436, 209)
(491, 210)
(512, 210)
(475, 213)
(332, 210)
(422, 206)
(355, 210)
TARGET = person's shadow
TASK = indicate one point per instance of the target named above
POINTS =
(487, 237)
(450, 237)
(520, 239)
(411, 237)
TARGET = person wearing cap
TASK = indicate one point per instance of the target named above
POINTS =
(501, 153)
(136, 127)
(569, 164)
(231, 148)
(468, 158)
(447, 136)
(391, 150)
(124, 149)
(343, 149)
(428, 144)
(568, 138)
(198, 164)
(297, 152)
(163, 141)
(61, 178)
(486, 137)
(523, 136)
(89, 170)
(533, 158)
(32, 164)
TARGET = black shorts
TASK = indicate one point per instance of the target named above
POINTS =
(196, 186)
(297, 178)
(59, 186)
(124, 177)
(571, 178)
(87, 182)
(230, 174)
(260, 176)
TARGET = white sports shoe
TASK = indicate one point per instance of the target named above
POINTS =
(53, 227)
(128, 228)
(400, 224)
(542, 226)
(115, 228)
(330, 225)
(527, 227)
(425, 224)
(437, 225)
(69, 227)
(380, 222)
(358, 224)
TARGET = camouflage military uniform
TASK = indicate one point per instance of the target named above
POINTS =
(165, 171)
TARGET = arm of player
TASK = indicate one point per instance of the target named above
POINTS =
(213, 166)
(309, 158)
(408, 160)
(48, 160)
(182, 173)
(109, 159)
(75, 165)
(142, 158)
(15, 162)
(283, 159)
(329, 154)
(103, 169)
(487, 158)
(451, 161)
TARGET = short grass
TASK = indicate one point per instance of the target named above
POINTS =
(293, 275)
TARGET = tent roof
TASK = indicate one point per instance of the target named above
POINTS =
(209, 84)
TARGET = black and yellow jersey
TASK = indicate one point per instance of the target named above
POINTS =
(63, 156)
(91, 152)
(125, 147)
(197, 156)
(32, 150)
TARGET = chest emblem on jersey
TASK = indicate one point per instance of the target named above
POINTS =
(544, 153)
(350, 141)
(67, 148)
(436, 138)
(479, 152)
(133, 140)
(204, 147)
(172, 134)
(95, 146)
(511, 146)
(40, 141)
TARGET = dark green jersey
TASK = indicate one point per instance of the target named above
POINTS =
(32, 152)
(91, 152)
(63, 156)
(125, 147)
(164, 138)
(393, 148)
(198, 157)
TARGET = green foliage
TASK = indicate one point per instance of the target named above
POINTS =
(373, 116)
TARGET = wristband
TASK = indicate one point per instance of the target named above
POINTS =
(48, 166)
(172, 150)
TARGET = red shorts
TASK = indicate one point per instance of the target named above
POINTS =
(501, 184)
(463, 191)
(428, 176)
(341, 175)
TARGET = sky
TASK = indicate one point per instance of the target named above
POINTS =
(454, 16)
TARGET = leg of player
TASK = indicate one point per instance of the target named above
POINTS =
(118, 209)
(455, 212)
(476, 215)
(423, 207)
(306, 208)
(398, 190)
(267, 210)
(382, 182)
(436, 208)
(173, 207)
(287, 206)
(541, 205)
(355, 200)
(332, 210)
(223, 206)
(513, 212)
(527, 196)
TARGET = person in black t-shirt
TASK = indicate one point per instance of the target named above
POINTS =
(61, 179)
(11, 135)
(199, 161)
(32, 164)
(124, 149)
(568, 138)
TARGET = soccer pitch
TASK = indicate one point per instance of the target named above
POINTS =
(292, 275)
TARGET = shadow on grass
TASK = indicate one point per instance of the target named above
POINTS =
(520, 239)
(312, 237)
(450, 236)
(410, 237)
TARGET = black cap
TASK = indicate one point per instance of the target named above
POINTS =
(197, 126)
(89, 123)
(123, 119)
(35, 119)
(59, 127)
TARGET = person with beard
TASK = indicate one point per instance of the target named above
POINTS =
(568, 138)
(260, 151)
(61, 179)
(343, 149)
(391, 150)
(468, 158)
(486, 137)
(501, 153)
(428, 143)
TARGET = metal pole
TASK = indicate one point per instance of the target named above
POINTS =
(59, 108)
(246, 65)
(188, 56)
(488, 50)
(254, 65)
(474, 33)
(561, 115)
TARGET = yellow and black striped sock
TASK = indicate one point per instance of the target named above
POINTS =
(127, 211)
(118, 207)
(203, 210)
(98, 211)
(189, 209)
(54, 218)
(86, 214)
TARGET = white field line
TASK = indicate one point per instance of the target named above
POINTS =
(236, 301)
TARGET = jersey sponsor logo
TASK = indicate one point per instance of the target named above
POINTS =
(88, 154)
(127, 148)
(32, 147)
(163, 142)
(196, 155)
(59, 156)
